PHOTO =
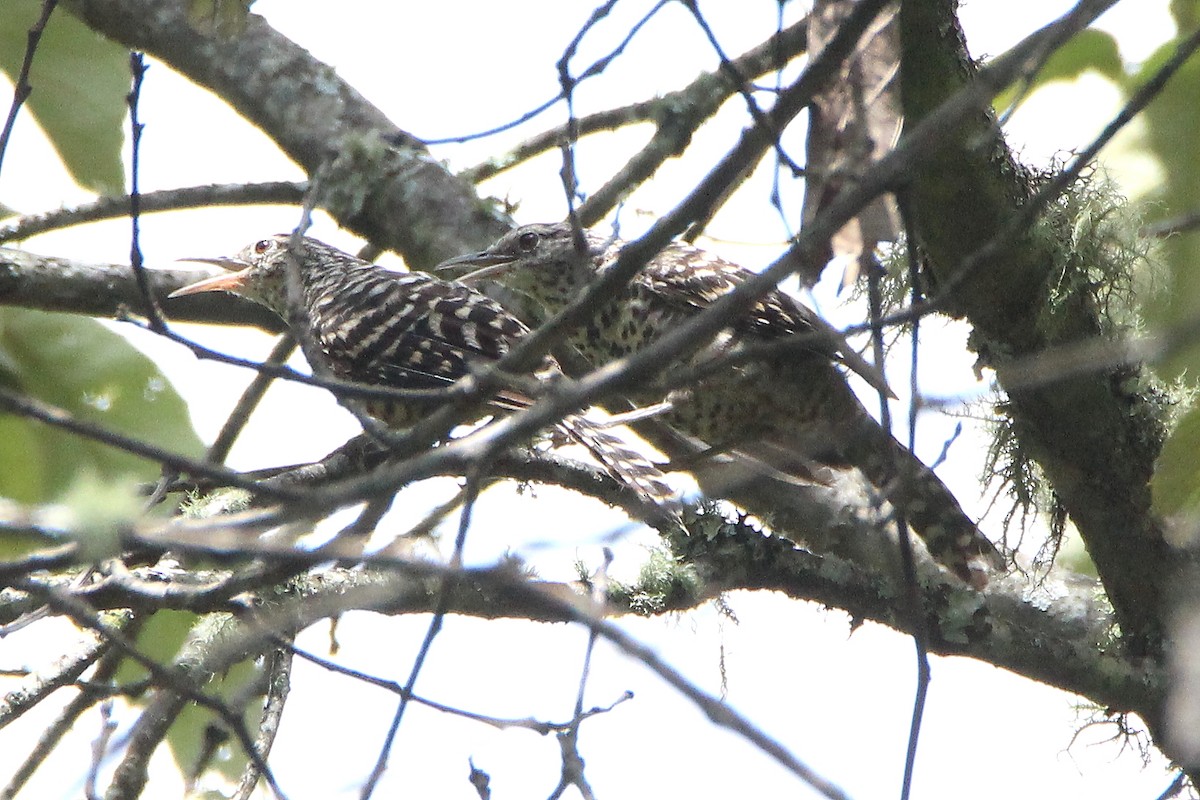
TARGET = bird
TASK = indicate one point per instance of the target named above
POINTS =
(791, 410)
(408, 330)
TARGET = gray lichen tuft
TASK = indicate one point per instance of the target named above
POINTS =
(1092, 296)
(228, 500)
(664, 581)
(1108, 266)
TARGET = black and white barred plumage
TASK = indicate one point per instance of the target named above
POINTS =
(408, 330)
(791, 409)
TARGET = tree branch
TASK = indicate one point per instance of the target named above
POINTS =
(1053, 633)
(228, 194)
(1096, 435)
(676, 116)
(381, 182)
(107, 290)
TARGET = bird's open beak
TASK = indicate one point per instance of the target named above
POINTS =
(475, 266)
(230, 282)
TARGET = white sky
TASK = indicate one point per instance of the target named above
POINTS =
(840, 702)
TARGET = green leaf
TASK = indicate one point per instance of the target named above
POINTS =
(186, 736)
(22, 443)
(1185, 14)
(1089, 51)
(80, 81)
(161, 638)
(1171, 132)
(14, 546)
(174, 639)
(77, 364)
(1176, 482)
(95, 512)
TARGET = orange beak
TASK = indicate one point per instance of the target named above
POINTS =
(229, 282)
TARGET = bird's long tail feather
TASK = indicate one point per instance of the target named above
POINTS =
(625, 464)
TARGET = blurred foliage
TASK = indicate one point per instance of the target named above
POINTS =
(167, 637)
(95, 512)
(1172, 131)
(1089, 51)
(15, 545)
(80, 81)
(78, 365)
(161, 637)
(1169, 132)
(1177, 474)
(241, 687)
(1186, 13)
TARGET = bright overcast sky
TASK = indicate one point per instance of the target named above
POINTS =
(840, 702)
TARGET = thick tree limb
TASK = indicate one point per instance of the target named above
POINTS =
(1053, 633)
(1094, 434)
(379, 180)
(108, 290)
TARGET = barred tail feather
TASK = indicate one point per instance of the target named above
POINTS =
(951, 537)
(625, 464)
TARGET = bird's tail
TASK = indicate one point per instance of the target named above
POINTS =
(624, 463)
(951, 537)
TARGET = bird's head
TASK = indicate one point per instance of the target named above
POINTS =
(258, 272)
(530, 255)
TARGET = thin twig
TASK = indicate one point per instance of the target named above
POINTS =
(541, 727)
(544, 141)
(30, 407)
(717, 186)
(279, 683)
(137, 65)
(696, 101)
(99, 750)
(594, 69)
(167, 679)
(572, 761)
(341, 388)
(912, 593)
(218, 451)
(1164, 228)
(1176, 786)
(471, 494)
(88, 696)
(677, 116)
(22, 88)
(111, 207)
(744, 88)
(718, 712)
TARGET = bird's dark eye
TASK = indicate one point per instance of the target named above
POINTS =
(262, 246)
(528, 240)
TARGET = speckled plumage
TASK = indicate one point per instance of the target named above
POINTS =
(793, 410)
(409, 330)
(401, 330)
